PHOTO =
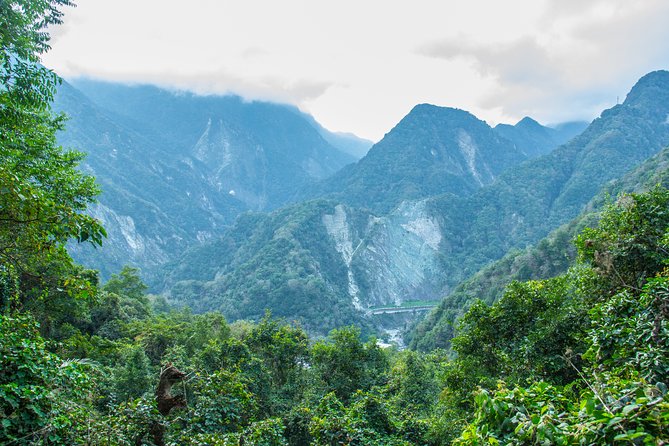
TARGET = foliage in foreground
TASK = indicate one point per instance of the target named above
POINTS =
(582, 358)
(610, 386)
(578, 359)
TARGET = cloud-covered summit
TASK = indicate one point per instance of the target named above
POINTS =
(360, 66)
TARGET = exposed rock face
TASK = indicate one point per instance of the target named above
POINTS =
(468, 149)
(400, 256)
(340, 232)
(394, 256)
(177, 169)
(131, 242)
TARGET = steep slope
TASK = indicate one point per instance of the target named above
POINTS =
(534, 139)
(260, 152)
(423, 248)
(527, 202)
(177, 169)
(152, 205)
(282, 261)
(548, 258)
(433, 150)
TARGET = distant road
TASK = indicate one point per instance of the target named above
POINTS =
(391, 310)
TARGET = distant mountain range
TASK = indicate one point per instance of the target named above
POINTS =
(534, 139)
(436, 150)
(442, 195)
(399, 248)
(176, 169)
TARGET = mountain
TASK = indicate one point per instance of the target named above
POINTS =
(261, 151)
(528, 201)
(433, 150)
(437, 150)
(422, 248)
(136, 176)
(534, 139)
(177, 169)
(548, 258)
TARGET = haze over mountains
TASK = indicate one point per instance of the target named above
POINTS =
(176, 169)
(442, 195)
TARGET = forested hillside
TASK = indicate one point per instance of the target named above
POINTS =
(579, 358)
(418, 251)
(550, 257)
(177, 169)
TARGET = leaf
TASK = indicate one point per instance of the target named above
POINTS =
(629, 408)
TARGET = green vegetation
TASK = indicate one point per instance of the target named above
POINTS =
(424, 155)
(43, 194)
(550, 257)
(579, 358)
(283, 261)
(590, 367)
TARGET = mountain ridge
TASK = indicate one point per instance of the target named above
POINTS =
(431, 150)
(170, 182)
(421, 249)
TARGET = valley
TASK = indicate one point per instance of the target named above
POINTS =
(254, 225)
(198, 263)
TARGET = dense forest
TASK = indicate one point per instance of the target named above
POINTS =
(580, 356)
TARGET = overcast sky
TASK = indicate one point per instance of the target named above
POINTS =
(360, 65)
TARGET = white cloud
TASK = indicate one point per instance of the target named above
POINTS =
(578, 62)
(360, 66)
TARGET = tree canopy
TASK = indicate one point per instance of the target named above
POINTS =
(44, 196)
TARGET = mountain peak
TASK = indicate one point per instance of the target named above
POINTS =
(433, 150)
(659, 77)
(528, 122)
(449, 117)
(653, 88)
(425, 109)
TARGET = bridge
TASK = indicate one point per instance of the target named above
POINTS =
(392, 310)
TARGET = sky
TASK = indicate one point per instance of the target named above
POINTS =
(359, 66)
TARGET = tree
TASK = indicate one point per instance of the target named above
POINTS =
(129, 291)
(127, 283)
(284, 352)
(345, 364)
(630, 245)
(43, 399)
(43, 196)
(618, 393)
